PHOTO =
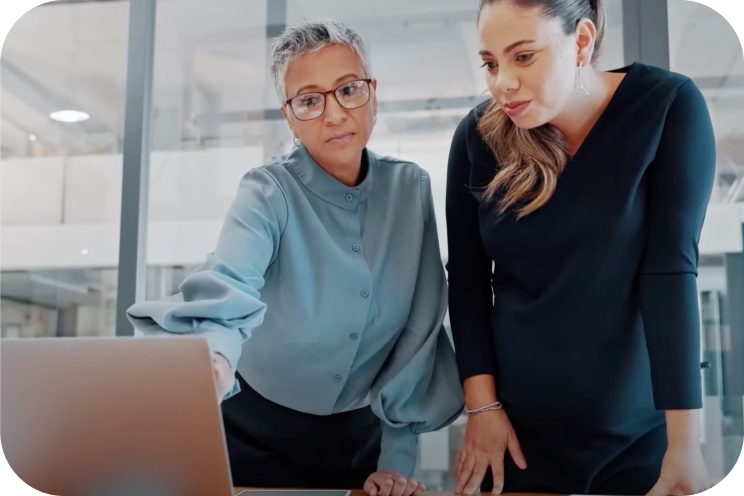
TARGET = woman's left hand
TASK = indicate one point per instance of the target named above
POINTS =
(683, 472)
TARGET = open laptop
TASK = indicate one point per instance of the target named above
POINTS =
(113, 416)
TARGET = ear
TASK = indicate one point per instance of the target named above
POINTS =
(373, 84)
(586, 34)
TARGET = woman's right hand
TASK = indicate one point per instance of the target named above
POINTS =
(487, 437)
(224, 377)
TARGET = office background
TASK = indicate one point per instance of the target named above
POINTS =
(126, 202)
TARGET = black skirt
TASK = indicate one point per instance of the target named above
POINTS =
(273, 446)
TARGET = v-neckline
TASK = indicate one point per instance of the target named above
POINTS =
(615, 100)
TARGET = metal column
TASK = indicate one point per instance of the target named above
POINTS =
(136, 167)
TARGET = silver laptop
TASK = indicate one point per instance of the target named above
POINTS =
(113, 416)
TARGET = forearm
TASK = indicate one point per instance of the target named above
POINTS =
(480, 390)
(683, 427)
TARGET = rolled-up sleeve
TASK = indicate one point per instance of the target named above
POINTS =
(220, 300)
(680, 180)
(418, 389)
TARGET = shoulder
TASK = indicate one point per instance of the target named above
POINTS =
(653, 84)
(265, 186)
(397, 172)
(398, 169)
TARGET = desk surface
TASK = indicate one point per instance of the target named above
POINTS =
(359, 492)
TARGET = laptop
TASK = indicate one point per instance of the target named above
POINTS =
(113, 416)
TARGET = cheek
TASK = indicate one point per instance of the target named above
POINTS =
(555, 84)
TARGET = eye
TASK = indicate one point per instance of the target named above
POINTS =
(350, 90)
(524, 57)
(310, 101)
(489, 65)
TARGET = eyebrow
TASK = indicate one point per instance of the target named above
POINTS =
(315, 86)
(509, 48)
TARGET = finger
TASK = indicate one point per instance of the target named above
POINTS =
(461, 457)
(497, 469)
(386, 486)
(419, 490)
(659, 489)
(411, 487)
(467, 470)
(479, 472)
(515, 450)
(370, 487)
(399, 487)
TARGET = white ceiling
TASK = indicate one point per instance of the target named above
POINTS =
(210, 67)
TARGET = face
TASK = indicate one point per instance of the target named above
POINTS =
(336, 138)
(530, 62)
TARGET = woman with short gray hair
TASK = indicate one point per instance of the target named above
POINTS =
(329, 262)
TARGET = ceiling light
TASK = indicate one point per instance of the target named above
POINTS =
(83, 251)
(32, 137)
(69, 116)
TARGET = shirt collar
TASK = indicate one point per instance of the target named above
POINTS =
(317, 180)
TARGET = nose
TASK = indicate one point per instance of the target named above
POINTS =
(506, 81)
(334, 114)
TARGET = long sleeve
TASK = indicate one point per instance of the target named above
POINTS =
(220, 300)
(468, 265)
(417, 390)
(679, 187)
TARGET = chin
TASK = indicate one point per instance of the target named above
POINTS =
(526, 123)
(529, 121)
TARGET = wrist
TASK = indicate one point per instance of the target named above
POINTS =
(480, 391)
(683, 429)
(496, 405)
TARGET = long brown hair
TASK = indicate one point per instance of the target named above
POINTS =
(530, 160)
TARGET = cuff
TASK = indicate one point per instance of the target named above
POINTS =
(399, 450)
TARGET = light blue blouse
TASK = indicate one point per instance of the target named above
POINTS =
(341, 291)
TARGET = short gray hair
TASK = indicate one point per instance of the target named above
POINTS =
(310, 37)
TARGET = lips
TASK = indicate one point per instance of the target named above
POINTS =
(516, 107)
(515, 104)
(340, 137)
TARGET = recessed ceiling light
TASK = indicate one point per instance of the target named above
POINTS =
(32, 137)
(83, 251)
(69, 116)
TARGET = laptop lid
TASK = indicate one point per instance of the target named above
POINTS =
(113, 416)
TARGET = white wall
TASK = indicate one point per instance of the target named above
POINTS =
(64, 212)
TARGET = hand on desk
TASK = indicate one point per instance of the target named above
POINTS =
(487, 437)
(683, 472)
(392, 484)
(224, 376)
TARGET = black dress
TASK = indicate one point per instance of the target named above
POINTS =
(592, 328)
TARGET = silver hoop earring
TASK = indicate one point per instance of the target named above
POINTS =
(297, 142)
(579, 78)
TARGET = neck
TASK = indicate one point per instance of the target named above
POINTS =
(582, 110)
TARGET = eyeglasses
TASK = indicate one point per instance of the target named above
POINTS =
(351, 95)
